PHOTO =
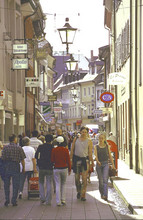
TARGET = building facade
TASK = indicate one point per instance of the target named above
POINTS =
(22, 25)
(125, 23)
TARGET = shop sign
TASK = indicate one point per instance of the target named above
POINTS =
(107, 97)
(44, 103)
(42, 53)
(117, 78)
(57, 109)
(8, 115)
(2, 94)
(78, 122)
(19, 48)
(106, 118)
(53, 127)
(97, 111)
(9, 99)
(51, 61)
(46, 109)
(52, 97)
(19, 64)
(32, 82)
(90, 116)
(68, 124)
(106, 110)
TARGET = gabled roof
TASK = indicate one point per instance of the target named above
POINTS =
(87, 78)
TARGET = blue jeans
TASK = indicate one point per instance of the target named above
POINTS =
(60, 176)
(22, 179)
(12, 171)
(103, 175)
(49, 177)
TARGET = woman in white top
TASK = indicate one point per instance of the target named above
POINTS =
(30, 163)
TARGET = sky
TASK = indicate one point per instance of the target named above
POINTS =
(85, 15)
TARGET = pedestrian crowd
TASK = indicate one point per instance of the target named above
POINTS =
(51, 158)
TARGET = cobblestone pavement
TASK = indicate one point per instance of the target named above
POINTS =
(93, 208)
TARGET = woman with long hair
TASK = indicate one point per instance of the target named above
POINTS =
(103, 154)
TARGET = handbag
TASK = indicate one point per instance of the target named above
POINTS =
(112, 172)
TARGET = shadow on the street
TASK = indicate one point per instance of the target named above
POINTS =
(118, 178)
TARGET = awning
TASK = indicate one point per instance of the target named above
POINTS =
(41, 116)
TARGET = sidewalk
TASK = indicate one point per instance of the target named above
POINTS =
(93, 208)
(130, 187)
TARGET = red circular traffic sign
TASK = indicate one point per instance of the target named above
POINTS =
(107, 97)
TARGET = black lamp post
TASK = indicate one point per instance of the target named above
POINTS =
(67, 34)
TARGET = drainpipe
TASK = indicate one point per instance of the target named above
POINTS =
(116, 103)
(136, 89)
(130, 103)
(26, 70)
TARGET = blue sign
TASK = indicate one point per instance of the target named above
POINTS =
(107, 97)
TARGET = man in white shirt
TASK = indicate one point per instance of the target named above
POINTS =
(34, 141)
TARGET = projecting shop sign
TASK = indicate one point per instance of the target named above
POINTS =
(32, 82)
(117, 78)
(2, 94)
(19, 48)
(52, 97)
(19, 64)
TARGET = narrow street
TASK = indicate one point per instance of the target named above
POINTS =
(93, 208)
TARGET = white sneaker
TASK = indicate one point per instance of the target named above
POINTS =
(42, 202)
(63, 202)
(20, 195)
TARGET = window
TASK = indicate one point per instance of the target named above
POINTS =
(123, 45)
(79, 111)
(84, 92)
(92, 90)
(98, 94)
(89, 110)
(73, 113)
(89, 91)
(17, 27)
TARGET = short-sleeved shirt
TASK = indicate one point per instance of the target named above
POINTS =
(13, 152)
(43, 156)
(30, 154)
(35, 142)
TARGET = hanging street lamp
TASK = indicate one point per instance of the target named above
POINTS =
(71, 64)
(67, 34)
(74, 94)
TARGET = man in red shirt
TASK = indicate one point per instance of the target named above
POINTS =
(62, 165)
